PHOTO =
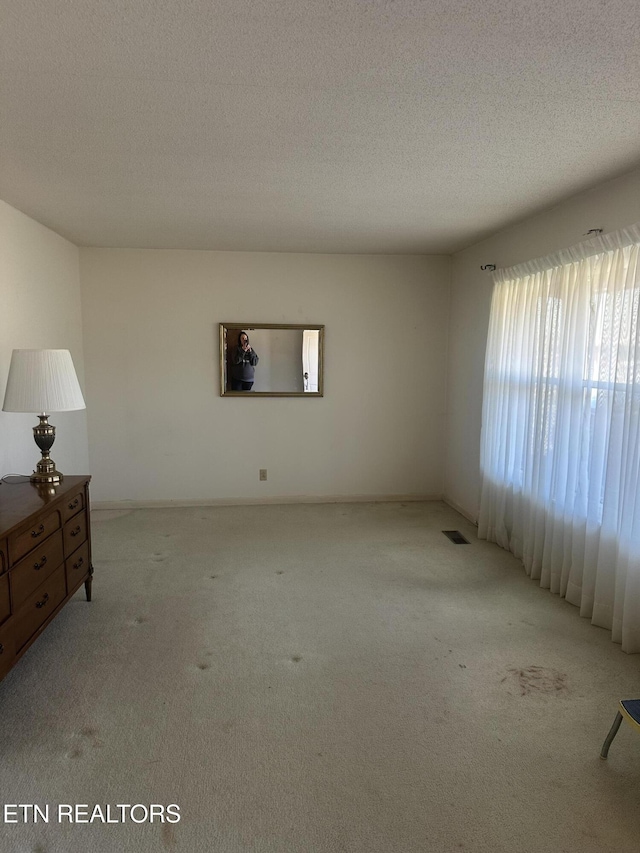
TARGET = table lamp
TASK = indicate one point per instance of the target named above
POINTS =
(43, 381)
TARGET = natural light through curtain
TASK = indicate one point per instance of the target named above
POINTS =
(560, 453)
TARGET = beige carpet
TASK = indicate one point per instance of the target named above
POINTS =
(319, 678)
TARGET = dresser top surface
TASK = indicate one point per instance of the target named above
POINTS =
(21, 500)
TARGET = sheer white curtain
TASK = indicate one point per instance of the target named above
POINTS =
(560, 452)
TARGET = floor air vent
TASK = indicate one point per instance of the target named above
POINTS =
(456, 537)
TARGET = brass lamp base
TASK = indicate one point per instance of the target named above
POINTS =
(52, 476)
(44, 435)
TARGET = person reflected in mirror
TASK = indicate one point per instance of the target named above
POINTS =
(243, 364)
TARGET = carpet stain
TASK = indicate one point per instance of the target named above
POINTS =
(279, 573)
(76, 752)
(204, 666)
(296, 658)
(39, 848)
(537, 679)
(91, 733)
(212, 577)
(139, 620)
(168, 836)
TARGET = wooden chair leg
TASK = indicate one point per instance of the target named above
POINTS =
(612, 733)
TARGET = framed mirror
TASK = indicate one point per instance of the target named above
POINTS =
(271, 360)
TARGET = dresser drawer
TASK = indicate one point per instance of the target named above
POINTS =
(77, 567)
(75, 533)
(5, 601)
(25, 541)
(38, 607)
(72, 506)
(7, 648)
(31, 571)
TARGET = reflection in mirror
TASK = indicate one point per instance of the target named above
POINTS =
(269, 359)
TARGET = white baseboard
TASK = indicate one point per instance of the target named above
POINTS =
(460, 509)
(276, 499)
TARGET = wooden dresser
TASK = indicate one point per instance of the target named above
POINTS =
(45, 556)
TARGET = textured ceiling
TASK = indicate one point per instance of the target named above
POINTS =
(311, 125)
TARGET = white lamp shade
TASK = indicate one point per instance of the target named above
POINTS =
(42, 381)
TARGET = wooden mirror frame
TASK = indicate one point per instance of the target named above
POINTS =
(248, 327)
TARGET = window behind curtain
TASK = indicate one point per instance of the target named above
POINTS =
(561, 426)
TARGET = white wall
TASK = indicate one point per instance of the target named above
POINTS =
(159, 429)
(280, 354)
(609, 206)
(39, 308)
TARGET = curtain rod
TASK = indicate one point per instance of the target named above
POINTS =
(592, 232)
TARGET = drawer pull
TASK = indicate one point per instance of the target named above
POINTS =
(39, 565)
(38, 532)
(1, 649)
(79, 563)
(76, 530)
(42, 603)
(74, 504)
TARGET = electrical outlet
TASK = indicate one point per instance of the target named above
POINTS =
(263, 473)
